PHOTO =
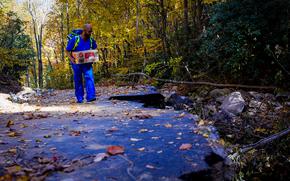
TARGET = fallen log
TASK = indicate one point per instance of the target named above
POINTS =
(264, 141)
(196, 83)
(260, 143)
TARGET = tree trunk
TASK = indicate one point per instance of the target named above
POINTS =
(137, 19)
(40, 65)
(68, 32)
(197, 13)
(55, 56)
(67, 17)
(37, 49)
(27, 77)
(62, 34)
(165, 44)
(105, 63)
(186, 27)
(34, 73)
(78, 8)
(185, 12)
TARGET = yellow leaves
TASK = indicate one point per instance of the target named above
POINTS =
(201, 123)
(261, 130)
(210, 1)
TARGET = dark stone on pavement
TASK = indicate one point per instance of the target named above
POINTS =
(149, 99)
(179, 102)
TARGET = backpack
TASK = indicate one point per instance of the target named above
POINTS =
(77, 33)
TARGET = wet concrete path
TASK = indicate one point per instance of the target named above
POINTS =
(151, 139)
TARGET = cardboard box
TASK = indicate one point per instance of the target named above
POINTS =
(88, 56)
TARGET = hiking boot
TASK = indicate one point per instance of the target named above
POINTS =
(91, 100)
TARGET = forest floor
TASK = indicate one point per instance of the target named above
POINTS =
(51, 137)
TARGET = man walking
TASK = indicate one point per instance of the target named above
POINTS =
(81, 43)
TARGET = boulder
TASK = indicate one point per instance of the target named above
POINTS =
(233, 104)
(219, 92)
(283, 96)
(257, 105)
(178, 102)
(23, 96)
(256, 95)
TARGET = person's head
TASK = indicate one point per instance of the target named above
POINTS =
(87, 30)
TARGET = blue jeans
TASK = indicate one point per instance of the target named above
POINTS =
(86, 70)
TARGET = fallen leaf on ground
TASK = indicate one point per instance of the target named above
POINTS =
(112, 129)
(150, 166)
(38, 140)
(47, 136)
(12, 134)
(143, 116)
(135, 139)
(9, 123)
(185, 146)
(141, 149)
(201, 123)
(28, 115)
(43, 160)
(23, 125)
(40, 115)
(155, 137)
(101, 156)
(12, 150)
(168, 125)
(114, 150)
(143, 130)
(53, 149)
(13, 169)
(75, 133)
(181, 115)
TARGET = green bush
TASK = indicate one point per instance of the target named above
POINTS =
(241, 40)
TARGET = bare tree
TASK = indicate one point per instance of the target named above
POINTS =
(39, 9)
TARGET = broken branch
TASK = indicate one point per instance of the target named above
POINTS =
(197, 83)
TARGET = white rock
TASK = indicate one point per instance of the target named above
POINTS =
(234, 103)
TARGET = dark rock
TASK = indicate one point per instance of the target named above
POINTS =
(256, 95)
(149, 100)
(179, 102)
(222, 116)
(283, 96)
(219, 92)
(220, 99)
(204, 175)
(213, 158)
(269, 96)
(257, 105)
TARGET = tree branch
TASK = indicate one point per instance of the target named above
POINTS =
(198, 82)
(264, 141)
